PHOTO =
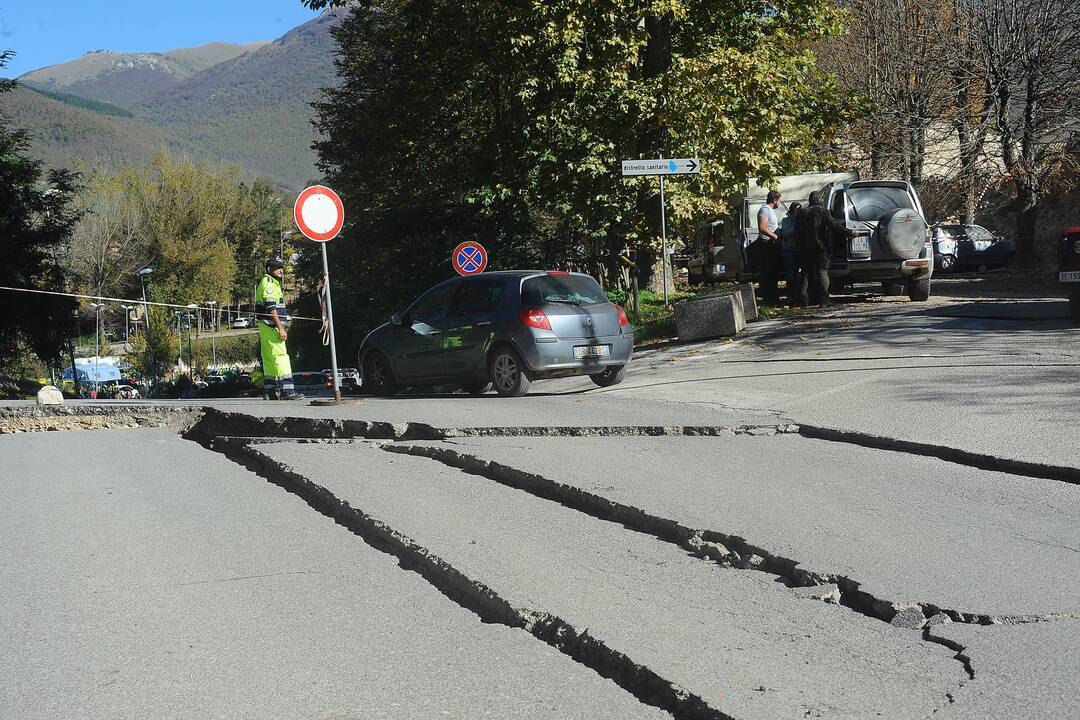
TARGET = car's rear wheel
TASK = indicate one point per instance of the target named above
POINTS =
(476, 388)
(947, 263)
(611, 376)
(508, 373)
(378, 376)
(919, 290)
(1074, 303)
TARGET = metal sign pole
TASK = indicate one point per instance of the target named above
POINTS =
(330, 323)
(663, 239)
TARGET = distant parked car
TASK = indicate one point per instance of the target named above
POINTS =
(958, 247)
(348, 380)
(505, 329)
(1069, 268)
(307, 378)
(244, 322)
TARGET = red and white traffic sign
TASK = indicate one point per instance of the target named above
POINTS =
(318, 213)
(469, 258)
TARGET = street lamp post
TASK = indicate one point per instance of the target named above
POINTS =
(213, 333)
(144, 273)
(127, 317)
(179, 341)
(96, 307)
(191, 346)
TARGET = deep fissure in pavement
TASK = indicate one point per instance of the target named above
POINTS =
(714, 545)
(643, 683)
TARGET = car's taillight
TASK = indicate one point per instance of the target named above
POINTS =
(623, 320)
(558, 272)
(534, 317)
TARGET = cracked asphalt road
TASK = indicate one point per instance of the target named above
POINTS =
(686, 544)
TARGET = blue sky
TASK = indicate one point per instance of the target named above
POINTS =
(47, 32)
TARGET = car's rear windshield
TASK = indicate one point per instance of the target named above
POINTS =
(870, 203)
(571, 289)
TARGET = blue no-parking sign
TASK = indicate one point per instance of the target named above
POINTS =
(469, 258)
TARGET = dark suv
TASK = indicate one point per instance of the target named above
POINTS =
(500, 328)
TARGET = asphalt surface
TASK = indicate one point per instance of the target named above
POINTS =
(621, 571)
(145, 577)
(746, 644)
(884, 519)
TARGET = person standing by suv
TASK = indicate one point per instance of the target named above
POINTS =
(790, 253)
(767, 246)
(815, 230)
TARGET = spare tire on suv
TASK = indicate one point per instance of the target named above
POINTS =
(902, 233)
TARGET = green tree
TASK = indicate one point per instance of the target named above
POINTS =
(202, 229)
(36, 219)
(510, 124)
(154, 351)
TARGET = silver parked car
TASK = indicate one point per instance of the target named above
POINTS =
(505, 329)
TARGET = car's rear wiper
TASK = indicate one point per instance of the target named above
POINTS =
(565, 302)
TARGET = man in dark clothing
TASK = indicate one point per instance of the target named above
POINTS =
(815, 230)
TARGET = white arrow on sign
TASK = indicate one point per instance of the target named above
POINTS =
(661, 166)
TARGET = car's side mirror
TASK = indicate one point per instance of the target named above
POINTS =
(395, 319)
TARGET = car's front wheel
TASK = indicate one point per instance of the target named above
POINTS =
(611, 376)
(508, 373)
(378, 376)
(947, 263)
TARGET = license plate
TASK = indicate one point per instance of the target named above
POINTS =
(860, 245)
(1072, 276)
(591, 351)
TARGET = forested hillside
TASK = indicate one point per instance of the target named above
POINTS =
(63, 135)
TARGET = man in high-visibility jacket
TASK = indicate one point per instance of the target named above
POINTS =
(270, 303)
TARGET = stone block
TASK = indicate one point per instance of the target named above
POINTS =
(749, 301)
(710, 318)
(829, 592)
(50, 395)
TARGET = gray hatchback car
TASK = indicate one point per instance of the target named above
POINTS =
(505, 329)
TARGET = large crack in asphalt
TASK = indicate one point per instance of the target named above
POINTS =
(642, 682)
(213, 421)
(208, 426)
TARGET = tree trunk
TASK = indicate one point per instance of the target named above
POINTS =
(1027, 214)
(74, 371)
(651, 142)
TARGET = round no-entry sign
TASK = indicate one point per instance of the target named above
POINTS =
(469, 258)
(318, 213)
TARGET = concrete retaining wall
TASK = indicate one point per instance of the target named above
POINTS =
(713, 317)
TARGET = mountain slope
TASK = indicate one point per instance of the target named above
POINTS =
(255, 110)
(63, 135)
(252, 109)
(126, 79)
